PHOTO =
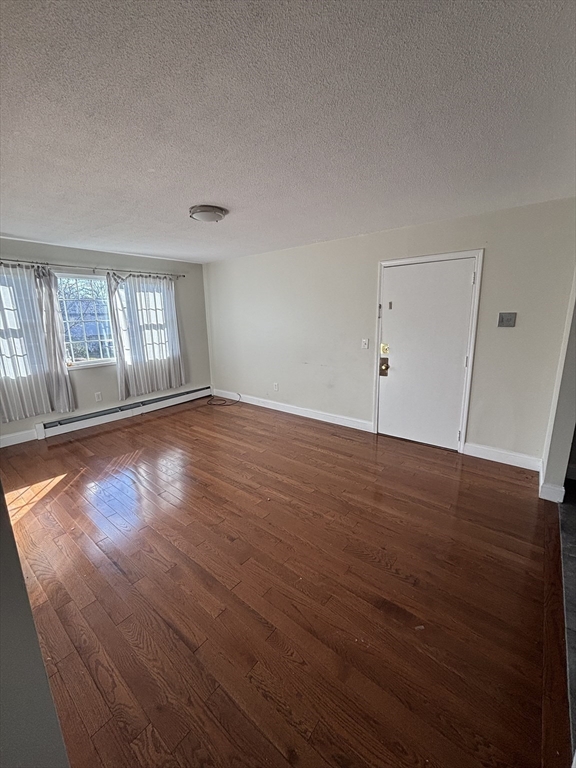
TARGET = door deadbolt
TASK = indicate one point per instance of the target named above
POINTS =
(384, 366)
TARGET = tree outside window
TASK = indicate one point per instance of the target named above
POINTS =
(86, 316)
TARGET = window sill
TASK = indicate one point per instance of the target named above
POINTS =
(97, 364)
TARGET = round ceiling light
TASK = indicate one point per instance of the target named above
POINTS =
(207, 212)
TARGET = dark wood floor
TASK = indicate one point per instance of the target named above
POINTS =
(238, 587)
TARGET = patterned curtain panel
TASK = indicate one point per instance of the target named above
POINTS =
(33, 374)
(145, 334)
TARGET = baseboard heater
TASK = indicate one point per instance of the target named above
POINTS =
(72, 423)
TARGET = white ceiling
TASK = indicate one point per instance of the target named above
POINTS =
(309, 119)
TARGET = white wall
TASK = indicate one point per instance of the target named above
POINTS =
(191, 320)
(560, 433)
(297, 317)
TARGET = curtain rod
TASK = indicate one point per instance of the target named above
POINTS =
(91, 269)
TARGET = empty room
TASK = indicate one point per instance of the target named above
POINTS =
(288, 384)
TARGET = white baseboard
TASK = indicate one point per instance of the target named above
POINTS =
(503, 457)
(17, 437)
(39, 433)
(308, 413)
(552, 492)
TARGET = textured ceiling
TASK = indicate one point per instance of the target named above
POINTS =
(309, 119)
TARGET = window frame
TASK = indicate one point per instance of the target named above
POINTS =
(88, 363)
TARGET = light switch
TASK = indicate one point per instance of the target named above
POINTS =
(506, 319)
(365, 343)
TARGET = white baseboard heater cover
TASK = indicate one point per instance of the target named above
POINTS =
(72, 423)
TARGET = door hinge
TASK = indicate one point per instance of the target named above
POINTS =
(379, 310)
(459, 435)
(466, 362)
(474, 278)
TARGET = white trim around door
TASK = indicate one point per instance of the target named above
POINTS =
(478, 256)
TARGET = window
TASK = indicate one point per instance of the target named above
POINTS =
(86, 316)
(14, 360)
(150, 308)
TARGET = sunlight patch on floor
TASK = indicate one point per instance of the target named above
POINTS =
(24, 499)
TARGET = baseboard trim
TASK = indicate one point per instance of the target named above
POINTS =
(39, 433)
(552, 492)
(17, 437)
(503, 457)
(308, 413)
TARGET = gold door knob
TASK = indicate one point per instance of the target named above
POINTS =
(385, 366)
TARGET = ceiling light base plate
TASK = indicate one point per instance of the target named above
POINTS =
(213, 213)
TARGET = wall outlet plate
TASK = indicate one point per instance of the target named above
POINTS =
(506, 319)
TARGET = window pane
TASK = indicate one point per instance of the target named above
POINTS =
(79, 351)
(91, 330)
(88, 309)
(73, 310)
(105, 330)
(67, 288)
(102, 310)
(76, 331)
(100, 290)
(86, 315)
(85, 290)
(94, 350)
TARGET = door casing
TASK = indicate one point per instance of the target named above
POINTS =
(478, 256)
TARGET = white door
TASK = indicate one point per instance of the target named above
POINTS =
(426, 325)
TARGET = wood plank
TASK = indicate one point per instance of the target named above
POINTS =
(65, 570)
(54, 642)
(87, 698)
(150, 750)
(79, 745)
(108, 598)
(168, 637)
(113, 748)
(147, 684)
(128, 713)
(36, 594)
(57, 594)
(260, 710)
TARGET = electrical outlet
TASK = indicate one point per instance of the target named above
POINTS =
(365, 343)
(275, 385)
(98, 397)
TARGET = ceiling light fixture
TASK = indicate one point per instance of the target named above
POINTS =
(207, 213)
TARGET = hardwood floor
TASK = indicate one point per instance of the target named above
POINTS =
(240, 587)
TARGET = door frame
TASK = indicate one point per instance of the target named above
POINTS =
(478, 256)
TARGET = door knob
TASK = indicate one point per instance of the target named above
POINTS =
(384, 366)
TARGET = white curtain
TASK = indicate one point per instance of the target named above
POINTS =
(33, 375)
(145, 331)
(58, 380)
